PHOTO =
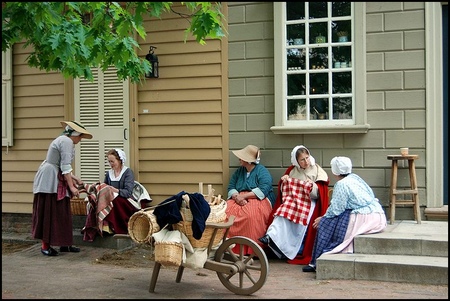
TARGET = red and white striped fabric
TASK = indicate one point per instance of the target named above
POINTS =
(251, 220)
(101, 201)
(296, 201)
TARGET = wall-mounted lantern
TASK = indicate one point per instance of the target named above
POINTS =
(153, 59)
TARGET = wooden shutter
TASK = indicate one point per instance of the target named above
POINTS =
(101, 106)
(7, 102)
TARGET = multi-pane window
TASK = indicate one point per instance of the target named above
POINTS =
(315, 56)
(319, 60)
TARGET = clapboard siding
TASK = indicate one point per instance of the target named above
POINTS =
(38, 106)
(182, 140)
(168, 95)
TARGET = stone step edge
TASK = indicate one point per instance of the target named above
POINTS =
(403, 246)
(386, 259)
(405, 236)
(389, 268)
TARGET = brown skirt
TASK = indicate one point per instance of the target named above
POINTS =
(119, 216)
(51, 220)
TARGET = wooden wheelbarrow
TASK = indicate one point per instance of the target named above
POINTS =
(240, 273)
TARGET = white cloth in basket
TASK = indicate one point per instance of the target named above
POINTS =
(174, 236)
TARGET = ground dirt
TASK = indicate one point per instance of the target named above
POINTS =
(138, 256)
(97, 273)
(8, 247)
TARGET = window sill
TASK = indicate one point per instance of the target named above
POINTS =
(321, 129)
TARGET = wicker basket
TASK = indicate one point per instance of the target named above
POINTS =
(78, 206)
(142, 225)
(218, 213)
(186, 227)
(168, 253)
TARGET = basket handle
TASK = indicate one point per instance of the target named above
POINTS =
(182, 222)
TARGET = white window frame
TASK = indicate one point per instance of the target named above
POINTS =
(434, 104)
(359, 121)
(7, 99)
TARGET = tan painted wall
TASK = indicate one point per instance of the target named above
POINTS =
(38, 108)
(181, 141)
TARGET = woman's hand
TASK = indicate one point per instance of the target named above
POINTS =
(77, 180)
(316, 222)
(75, 192)
(240, 199)
(285, 178)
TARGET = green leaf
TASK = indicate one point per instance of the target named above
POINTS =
(61, 41)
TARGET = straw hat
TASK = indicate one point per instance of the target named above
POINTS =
(75, 125)
(250, 154)
(341, 165)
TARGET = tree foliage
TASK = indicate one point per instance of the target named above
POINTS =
(63, 39)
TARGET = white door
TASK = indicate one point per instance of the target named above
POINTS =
(102, 107)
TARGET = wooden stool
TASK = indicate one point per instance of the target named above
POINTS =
(414, 201)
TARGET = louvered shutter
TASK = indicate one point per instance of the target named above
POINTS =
(7, 99)
(101, 106)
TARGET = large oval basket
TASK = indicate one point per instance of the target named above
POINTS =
(142, 225)
(217, 215)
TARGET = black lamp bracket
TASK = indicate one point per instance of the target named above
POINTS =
(153, 59)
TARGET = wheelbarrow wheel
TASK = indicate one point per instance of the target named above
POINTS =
(252, 270)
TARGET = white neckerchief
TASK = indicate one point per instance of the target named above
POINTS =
(113, 177)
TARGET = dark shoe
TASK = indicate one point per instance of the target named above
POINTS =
(50, 252)
(69, 249)
(308, 269)
(264, 239)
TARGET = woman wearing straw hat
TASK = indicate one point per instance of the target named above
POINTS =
(250, 196)
(53, 187)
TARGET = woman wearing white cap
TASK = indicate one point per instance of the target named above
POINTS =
(290, 234)
(250, 197)
(353, 210)
(115, 200)
(121, 178)
(53, 187)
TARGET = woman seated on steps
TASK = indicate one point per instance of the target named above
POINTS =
(115, 200)
(353, 210)
(302, 197)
